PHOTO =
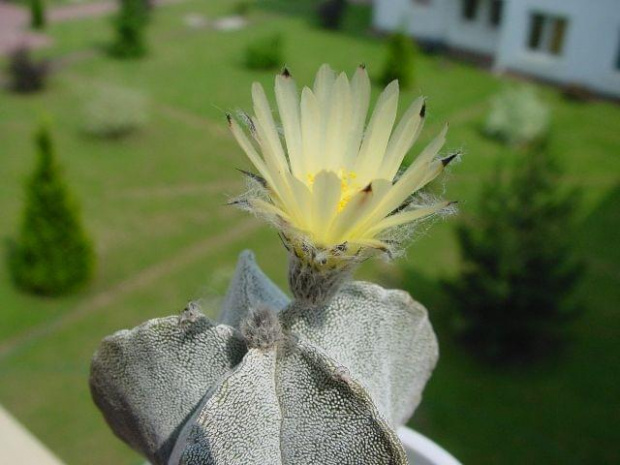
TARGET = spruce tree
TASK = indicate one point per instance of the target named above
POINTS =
(400, 62)
(519, 270)
(130, 25)
(52, 254)
(37, 14)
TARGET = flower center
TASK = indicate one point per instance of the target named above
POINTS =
(348, 185)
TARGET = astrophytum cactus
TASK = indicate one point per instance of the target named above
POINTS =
(324, 378)
(282, 385)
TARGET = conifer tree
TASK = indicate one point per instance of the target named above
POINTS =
(130, 25)
(37, 14)
(400, 62)
(52, 254)
(515, 289)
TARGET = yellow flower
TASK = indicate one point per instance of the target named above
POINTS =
(334, 184)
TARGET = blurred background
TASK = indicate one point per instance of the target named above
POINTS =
(116, 164)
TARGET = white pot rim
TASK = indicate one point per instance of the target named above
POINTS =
(424, 449)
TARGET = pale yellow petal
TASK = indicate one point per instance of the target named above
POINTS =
(268, 133)
(406, 217)
(338, 124)
(370, 244)
(378, 133)
(323, 84)
(414, 179)
(326, 196)
(301, 209)
(250, 151)
(402, 140)
(288, 107)
(346, 224)
(310, 131)
(360, 100)
(269, 209)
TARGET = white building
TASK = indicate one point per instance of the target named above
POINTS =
(572, 42)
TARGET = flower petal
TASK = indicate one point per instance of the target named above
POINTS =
(288, 106)
(404, 136)
(338, 124)
(267, 127)
(406, 217)
(378, 133)
(360, 97)
(414, 179)
(310, 131)
(326, 194)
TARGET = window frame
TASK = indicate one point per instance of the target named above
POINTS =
(470, 10)
(547, 33)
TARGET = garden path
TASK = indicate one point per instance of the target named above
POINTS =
(14, 31)
(153, 273)
(14, 21)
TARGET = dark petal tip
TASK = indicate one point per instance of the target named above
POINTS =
(446, 161)
(286, 73)
(368, 188)
(423, 110)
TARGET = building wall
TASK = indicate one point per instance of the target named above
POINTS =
(439, 21)
(591, 46)
(477, 35)
(423, 21)
(590, 49)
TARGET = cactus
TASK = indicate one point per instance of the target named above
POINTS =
(325, 378)
(283, 384)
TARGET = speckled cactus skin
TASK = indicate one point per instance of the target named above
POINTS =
(275, 382)
(383, 337)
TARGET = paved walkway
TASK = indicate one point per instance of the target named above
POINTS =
(14, 25)
(15, 21)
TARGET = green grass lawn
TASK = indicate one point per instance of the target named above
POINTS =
(154, 204)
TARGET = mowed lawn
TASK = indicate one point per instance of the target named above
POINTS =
(155, 205)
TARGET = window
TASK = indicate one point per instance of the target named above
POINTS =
(470, 9)
(547, 33)
(495, 12)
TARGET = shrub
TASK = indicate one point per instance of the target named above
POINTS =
(52, 255)
(25, 74)
(115, 112)
(37, 14)
(518, 117)
(242, 7)
(331, 13)
(514, 291)
(400, 62)
(130, 25)
(265, 54)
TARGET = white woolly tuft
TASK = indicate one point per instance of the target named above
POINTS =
(261, 329)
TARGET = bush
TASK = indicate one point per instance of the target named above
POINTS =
(400, 62)
(331, 13)
(52, 255)
(518, 274)
(25, 74)
(130, 25)
(115, 112)
(37, 14)
(265, 54)
(518, 117)
(242, 7)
